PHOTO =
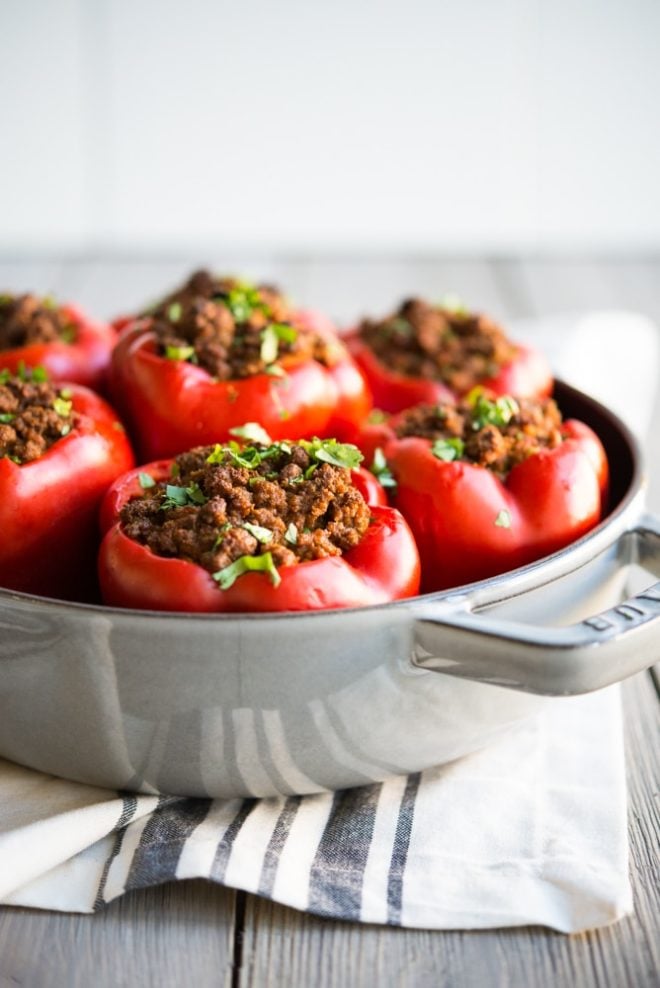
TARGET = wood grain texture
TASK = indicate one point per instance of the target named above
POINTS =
(171, 936)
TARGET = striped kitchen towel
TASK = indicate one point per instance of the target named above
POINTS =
(531, 830)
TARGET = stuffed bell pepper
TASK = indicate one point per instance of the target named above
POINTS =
(489, 484)
(220, 352)
(61, 446)
(39, 332)
(429, 353)
(268, 526)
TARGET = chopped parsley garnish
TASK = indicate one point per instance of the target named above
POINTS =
(486, 412)
(319, 451)
(252, 431)
(146, 481)
(174, 311)
(225, 578)
(243, 300)
(38, 375)
(330, 451)
(448, 450)
(503, 519)
(274, 370)
(181, 353)
(269, 345)
(180, 497)
(6, 418)
(62, 406)
(261, 534)
(291, 535)
(271, 337)
(376, 416)
(381, 470)
(284, 332)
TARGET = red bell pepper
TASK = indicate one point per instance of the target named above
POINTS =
(172, 404)
(469, 523)
(528, 374)
(49, 506)
(83, 360)
(384, 565)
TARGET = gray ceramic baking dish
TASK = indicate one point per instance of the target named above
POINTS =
(256, 705)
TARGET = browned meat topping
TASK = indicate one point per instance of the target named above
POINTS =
(26, 319)
(233, 329)
(495, 433)
(33, 416)
(440, 342)
(281, 504)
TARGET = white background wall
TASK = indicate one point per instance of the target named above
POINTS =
(176, 125)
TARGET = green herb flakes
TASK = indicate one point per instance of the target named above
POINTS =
(62, 406)
(269, 345)
(146, 481)
(261, 534)
(225, 578)
(381, 470)
(180, 497)
(6, 418)
(252, 431)
(291, 535)
(181, 353)
(243, 300)
(274, 370)
(174, 312)
(448, 450)
(486, 412)
(330, 451)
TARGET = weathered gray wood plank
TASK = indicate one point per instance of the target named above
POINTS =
(172, 936)
(295, 949)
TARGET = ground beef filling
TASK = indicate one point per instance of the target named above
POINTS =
(446, 344)
(26, 319)
(496, 433)
(232, 329)
(290, 506)
(33, 416)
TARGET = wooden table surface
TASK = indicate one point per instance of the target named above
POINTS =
(195, 933)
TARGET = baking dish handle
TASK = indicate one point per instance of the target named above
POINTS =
(564, 661)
